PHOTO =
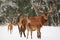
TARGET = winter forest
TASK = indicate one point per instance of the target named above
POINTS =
(11, 10)
(29, 19)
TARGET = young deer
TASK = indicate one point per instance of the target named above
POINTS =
(10, 27)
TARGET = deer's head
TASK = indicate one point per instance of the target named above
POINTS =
(45, 14)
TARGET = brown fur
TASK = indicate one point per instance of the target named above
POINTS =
(10, 27)
(36, 24)
(22, 26)
(32, 24)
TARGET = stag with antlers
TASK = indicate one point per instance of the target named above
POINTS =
(36, 22)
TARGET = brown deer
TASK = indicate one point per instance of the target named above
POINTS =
(10, 27)
(35, 23)
(38, 21)
(22, 26)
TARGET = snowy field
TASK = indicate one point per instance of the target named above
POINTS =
(48, 33)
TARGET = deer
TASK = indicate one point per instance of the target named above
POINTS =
(10, 27)
(36, 22)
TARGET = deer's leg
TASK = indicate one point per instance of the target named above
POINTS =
(23, 29)
(24, 34)
(21, 34)
(20, 31)
(10, 31)
(27, 33)
(31, 34)
(39, 33)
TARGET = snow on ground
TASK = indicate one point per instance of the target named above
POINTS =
(48, 33)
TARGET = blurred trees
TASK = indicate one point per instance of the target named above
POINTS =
(10, 10)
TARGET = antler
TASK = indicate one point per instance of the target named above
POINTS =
(52, 8)
(36, 6)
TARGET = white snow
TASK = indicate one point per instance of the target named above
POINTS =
(47, 33)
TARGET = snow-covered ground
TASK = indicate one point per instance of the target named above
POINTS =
(47, 33)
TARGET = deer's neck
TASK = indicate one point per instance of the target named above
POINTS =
(43, 20)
